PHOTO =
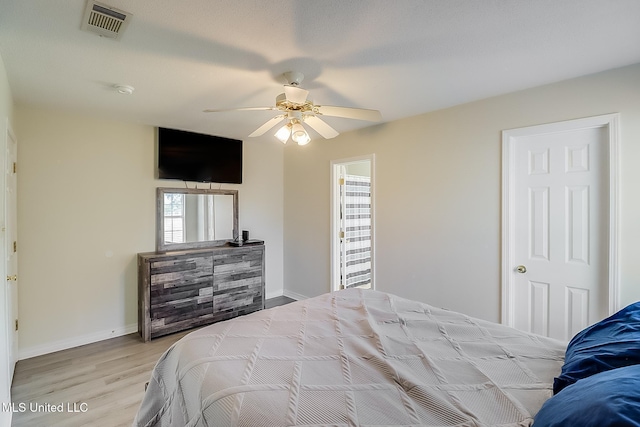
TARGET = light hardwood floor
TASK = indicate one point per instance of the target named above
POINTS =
(103, 382)
(108, 376)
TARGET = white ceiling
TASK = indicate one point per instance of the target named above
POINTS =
(402, 57)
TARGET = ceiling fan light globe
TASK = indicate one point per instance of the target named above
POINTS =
(299, 135)
(283, 133)
(301, 138)
(304, 140)
(297, 128)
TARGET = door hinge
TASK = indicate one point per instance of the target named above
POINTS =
(341, 234)
(341, 181)
(16, 324)
(15, 246)
(341, 286)
(15, 167)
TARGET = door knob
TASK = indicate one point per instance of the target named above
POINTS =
(521, 269)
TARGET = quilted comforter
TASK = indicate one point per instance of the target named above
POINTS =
(352, 358)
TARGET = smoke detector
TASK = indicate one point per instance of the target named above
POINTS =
(124, 89)
(106, 21)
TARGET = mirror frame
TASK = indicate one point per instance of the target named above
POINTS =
(161, 246)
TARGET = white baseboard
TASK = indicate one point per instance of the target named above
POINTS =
(294, 295)
(39, 350)
(275, 294)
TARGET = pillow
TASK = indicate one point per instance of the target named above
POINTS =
(611, 343)
(607, 399)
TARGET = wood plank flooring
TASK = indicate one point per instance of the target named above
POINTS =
(281, 300)
(99, 384)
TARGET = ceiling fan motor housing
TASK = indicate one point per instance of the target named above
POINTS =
(284, 104)
(294, 78)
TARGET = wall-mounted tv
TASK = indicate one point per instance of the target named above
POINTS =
(189, 156)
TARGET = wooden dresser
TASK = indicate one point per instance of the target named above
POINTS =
(179, 290)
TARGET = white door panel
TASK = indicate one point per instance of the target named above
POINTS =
(5, 296)
(11, 215)
(559, 228)
(8, 292)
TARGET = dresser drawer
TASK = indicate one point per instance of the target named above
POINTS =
(238, 283)
(181, 293)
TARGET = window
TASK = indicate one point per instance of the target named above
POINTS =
(174, 218)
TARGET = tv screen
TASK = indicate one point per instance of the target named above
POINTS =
(189, 156)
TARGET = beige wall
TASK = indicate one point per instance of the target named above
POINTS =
(438, 196)
(87, 206)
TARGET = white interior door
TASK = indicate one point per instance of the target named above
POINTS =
(352, 209)
(11, 242)
(6, 351)
(558, 269)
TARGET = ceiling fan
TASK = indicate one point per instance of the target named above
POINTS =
(296, 109)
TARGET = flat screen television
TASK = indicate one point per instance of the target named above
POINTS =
(189, 156)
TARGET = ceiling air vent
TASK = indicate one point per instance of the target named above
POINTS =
(104, 20)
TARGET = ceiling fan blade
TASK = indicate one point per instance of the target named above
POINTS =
(321, 127)
(240, 109)
(350, 113)
(268, 125)
(295, 94)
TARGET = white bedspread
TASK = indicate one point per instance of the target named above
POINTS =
(352, 358)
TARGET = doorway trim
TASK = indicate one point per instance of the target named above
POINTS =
(509, 138)
(335, 224)
(8, 355)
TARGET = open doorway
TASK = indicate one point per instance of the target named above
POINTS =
(352, 213)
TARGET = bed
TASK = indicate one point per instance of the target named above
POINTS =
(352, 358)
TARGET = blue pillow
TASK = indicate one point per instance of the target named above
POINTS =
(607, 399)
(611, 343)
